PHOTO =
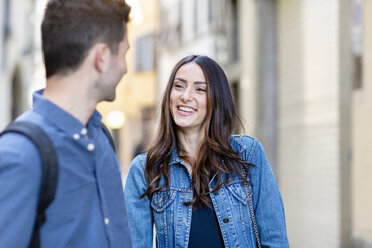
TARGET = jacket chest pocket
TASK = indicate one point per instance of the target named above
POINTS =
(163, 208)
(239, 201)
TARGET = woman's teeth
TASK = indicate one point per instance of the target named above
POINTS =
(186, 109)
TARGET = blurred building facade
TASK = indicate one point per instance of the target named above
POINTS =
(300, 72)
(17, 50)
(307, 75)
(361, 123)
(136, 93)
(185, 29)
(293, 71)
(22, 71)
(313, 127)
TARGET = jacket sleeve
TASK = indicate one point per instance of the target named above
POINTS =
(20, 179)
(267, 201)
(139, 210)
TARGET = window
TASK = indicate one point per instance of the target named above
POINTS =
(235, 31)
(145, 53)
(170, 32)
(196, 16)
(234, 86)
(5, 33)
(357, 43)
(210, 11)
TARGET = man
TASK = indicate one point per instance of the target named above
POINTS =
(84, 45)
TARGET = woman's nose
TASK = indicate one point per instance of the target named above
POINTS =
(187, 95)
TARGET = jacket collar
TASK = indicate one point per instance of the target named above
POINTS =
(235, 142)
(174, 159)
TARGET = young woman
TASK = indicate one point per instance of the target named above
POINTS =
(194, 181)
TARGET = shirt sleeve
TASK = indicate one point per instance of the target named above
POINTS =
(20, 179)
(139, 210)
(267, 201)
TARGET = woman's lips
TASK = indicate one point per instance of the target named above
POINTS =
(185, 110)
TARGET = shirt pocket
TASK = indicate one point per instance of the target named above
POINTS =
(163, 208)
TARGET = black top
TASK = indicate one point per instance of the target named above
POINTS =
(205, 231)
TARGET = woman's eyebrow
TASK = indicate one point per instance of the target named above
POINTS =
(185, 81)
(181, 79)
(199, 82)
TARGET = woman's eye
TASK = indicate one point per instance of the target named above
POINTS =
(179, 86)
(201, 89)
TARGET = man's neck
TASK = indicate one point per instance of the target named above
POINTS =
(71, 93)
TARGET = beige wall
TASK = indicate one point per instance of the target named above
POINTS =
(308, 124)
(362, 138)
(248, 44)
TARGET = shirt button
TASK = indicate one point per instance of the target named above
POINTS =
(91, 147)
(84, 131)
(76, 136)
(107, 221)
(226, 220)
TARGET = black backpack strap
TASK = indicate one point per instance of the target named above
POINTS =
(108, 135)
(49, 162)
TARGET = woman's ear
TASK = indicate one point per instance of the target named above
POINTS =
(101, 57)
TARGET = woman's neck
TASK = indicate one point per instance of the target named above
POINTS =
(190, 142)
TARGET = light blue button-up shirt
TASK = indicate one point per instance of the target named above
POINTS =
(89, 208)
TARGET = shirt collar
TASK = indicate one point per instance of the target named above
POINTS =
(59, 117)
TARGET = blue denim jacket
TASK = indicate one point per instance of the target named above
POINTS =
(172, 219)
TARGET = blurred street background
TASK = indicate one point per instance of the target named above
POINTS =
(301, 75)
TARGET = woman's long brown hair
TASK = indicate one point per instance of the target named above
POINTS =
(216, 156)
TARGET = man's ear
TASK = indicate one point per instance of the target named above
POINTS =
(102, 56)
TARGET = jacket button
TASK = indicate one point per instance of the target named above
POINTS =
(226, 220)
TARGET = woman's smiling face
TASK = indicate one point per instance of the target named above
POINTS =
(188, 97)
